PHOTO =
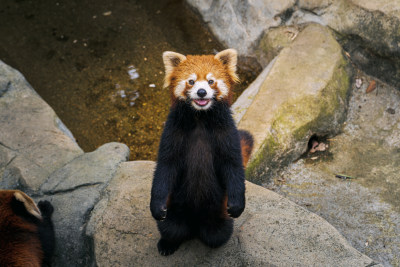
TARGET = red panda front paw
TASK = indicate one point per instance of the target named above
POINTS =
(159, 211)
(235, 209)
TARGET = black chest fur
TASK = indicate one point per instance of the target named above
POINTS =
(202, 141)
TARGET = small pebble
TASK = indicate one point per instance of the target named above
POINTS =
(358, 83)
(391, 111)
(122, 93)
(107, 13)
(152, 85)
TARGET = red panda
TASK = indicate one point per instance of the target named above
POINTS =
(26, 230)
(198, 184)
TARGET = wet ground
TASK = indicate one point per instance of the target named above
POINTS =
(98, 64)
(365, 207)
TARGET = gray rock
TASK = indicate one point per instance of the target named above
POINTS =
(74, 190)
(367, 29)
(240, 24)
(273, 41)
(305, 93)
(88, 169)
(272, 231)
(30, 132)
(366, 210)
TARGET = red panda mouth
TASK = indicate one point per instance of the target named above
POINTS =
(201, 102)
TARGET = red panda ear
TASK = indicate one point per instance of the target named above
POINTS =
(228, 58)
(171, 60)
(29, 204)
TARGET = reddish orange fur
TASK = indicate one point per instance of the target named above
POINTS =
(19, 241)
(225, 207)
(246, 152)
(201, 66)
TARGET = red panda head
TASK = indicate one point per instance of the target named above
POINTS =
(20, 243)
(8, 197)
(201, 80)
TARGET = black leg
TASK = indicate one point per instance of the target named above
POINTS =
(173, 232)
(46, 231)
(216, 234)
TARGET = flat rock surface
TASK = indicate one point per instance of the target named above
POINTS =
(33, 141)
(304, 93)
(366, 209)
(272, 231)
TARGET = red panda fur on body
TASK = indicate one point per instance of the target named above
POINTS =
(199, 183)
(27, 234)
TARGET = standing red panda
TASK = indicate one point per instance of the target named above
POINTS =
(199, 181)
(26, 230)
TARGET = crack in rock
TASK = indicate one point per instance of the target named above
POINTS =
(64, 191)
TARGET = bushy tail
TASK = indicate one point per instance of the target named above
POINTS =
(246, 144)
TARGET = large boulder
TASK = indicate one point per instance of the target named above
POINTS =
(367, 29)
(272, 231)
(33, 141)
(39, 155)
(304, 94)
(74, 190)
(240, 23)
(366, 209)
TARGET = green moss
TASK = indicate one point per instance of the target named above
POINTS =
(297, 120)
(256, 170)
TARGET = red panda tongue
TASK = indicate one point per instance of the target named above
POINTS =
(201, 102)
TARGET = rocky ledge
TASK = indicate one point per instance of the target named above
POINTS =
(367, 29)
(101, 201)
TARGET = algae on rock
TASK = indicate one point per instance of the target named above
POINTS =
(305, 93)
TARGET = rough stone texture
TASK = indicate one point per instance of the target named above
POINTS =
(33, 141)
(366, 210)
(90, 168)
(239, 23)
(38, 154)
(367, 29)
(272, 231)
(305, 93)
(74, 190)
(241, 104)
(273, 41)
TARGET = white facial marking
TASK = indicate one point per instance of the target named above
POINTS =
(224, 90)
(201, 85)
(181, 86)
(207, 98)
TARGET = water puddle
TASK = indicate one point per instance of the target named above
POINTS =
(99, 65)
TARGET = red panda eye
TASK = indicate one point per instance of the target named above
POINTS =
(210, 82)
(191, 82)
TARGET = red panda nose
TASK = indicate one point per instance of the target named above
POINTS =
(201, 92)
